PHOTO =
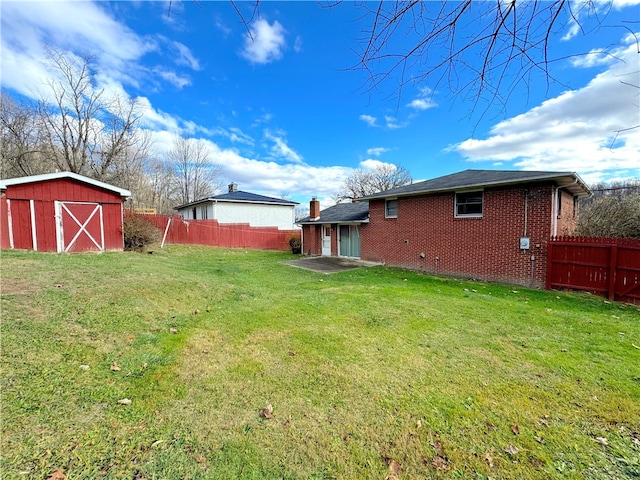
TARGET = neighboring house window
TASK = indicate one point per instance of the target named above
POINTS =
(391, 208)
(469, 204)
(203, 212)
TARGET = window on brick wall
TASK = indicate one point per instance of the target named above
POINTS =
(391, 208)
(469, 204)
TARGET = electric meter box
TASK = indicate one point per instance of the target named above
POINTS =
(524, 243)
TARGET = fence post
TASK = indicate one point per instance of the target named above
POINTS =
(613, 263)
(549, 263)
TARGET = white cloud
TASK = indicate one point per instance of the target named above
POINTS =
(368, 119)
(185, 57)
(172, 77)
(589, 130)
(297, 46)
(280, 149)
(423, 101)
(373, 163)
(422, 104)
(392, 123)
(265, 43)
(377, 151)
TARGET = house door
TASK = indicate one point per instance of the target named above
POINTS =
(326, 240)
(349, 241)
(79, 227)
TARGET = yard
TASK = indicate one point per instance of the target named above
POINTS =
(197, 362)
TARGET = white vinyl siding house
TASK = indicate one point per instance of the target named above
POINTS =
(242, 207)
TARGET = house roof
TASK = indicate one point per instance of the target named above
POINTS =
(59, 175)
(341, 213)
(239, 197)
(486, 178)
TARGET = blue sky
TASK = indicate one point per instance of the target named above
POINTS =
(284, 114)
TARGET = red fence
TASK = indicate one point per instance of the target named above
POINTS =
(604, 266)
(210, 232)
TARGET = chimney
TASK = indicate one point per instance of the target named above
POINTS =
(355, 198)
(314, 209)
(233, 187)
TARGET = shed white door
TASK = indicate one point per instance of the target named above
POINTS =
(326, 240)
(80, 227)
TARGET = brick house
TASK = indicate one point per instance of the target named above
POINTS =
(487, 224)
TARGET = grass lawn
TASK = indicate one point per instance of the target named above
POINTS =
(138, 366)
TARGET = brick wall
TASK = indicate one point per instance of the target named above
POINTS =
(312, 239)
(567, 214)
(486, 248)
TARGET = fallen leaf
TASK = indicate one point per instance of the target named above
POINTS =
(347, 438)
(115, 367)
(267, 411)
(515, 429)
(438, 448)
(511, 449)
(602, 441)
(419, 424)
(489, 460)
(440, 463)
(124, 401)
(200, 459)
(57, 475)
(173, 330)
(394, 467)
(129, 339)
(156, 443)
(85, 367)
(58, 285)
(196, 311)
(539, 439)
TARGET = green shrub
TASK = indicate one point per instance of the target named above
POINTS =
(139, 232)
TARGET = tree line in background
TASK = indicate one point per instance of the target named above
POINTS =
(78, 128)
(612, 211)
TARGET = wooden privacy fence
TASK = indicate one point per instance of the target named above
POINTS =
(609, 267)
(209, 232)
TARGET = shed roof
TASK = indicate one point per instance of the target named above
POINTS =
(486, 178)
(341, 213)
(239, 197)
(60, 175)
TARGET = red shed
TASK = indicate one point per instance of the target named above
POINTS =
(61, 212)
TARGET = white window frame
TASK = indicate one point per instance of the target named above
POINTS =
(386, 208)
(469, 215)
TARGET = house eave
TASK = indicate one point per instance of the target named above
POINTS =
(569, 180)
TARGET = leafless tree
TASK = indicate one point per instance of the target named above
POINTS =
(479, 52)
(21, 139)
(364, 182)
(85, 130)
(194, 175)
(611, 216)
(507, 46)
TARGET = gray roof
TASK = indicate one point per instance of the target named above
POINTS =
(486, 178)
(341, 213)
(239, 197)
